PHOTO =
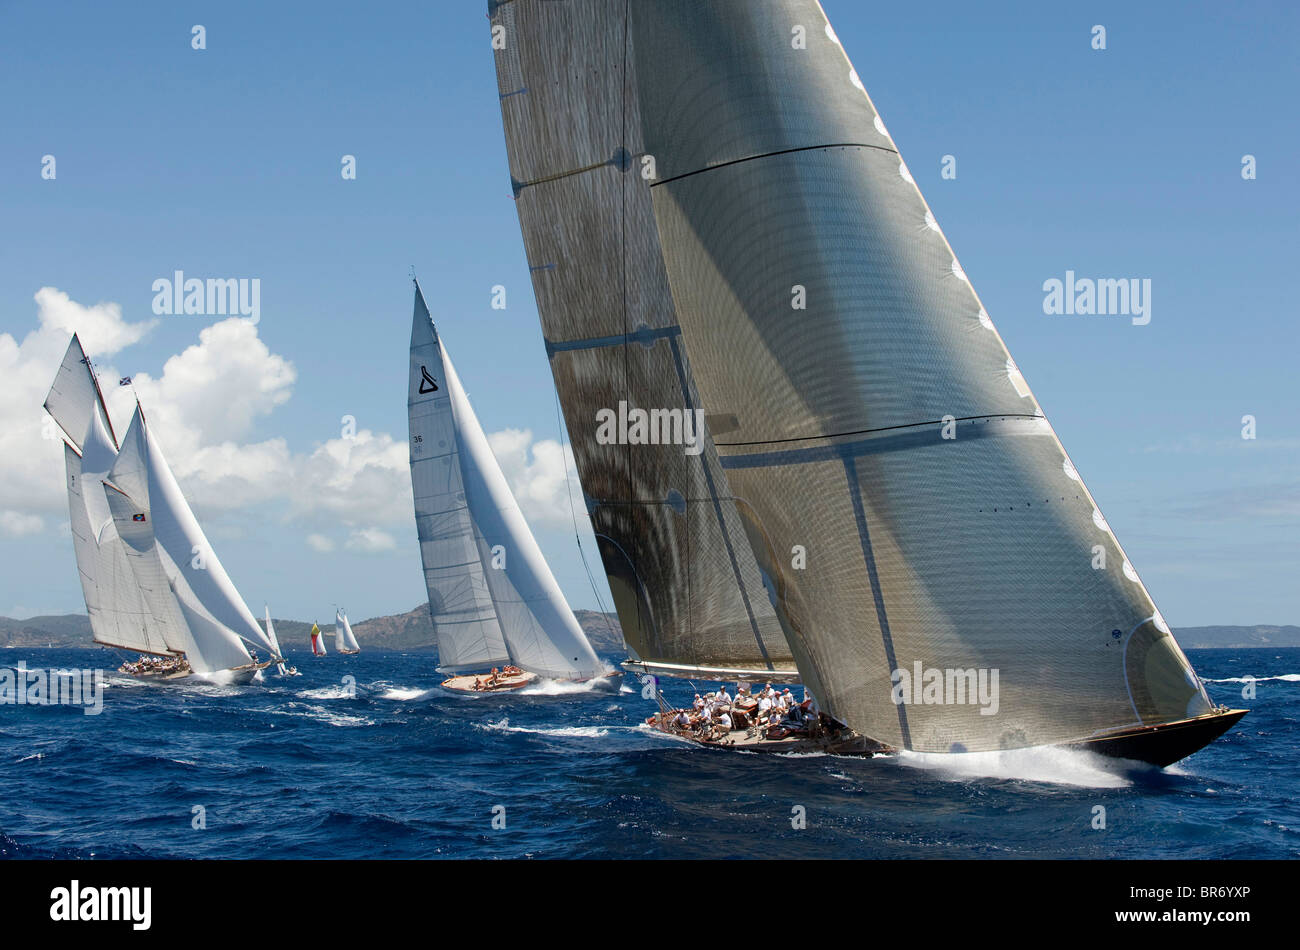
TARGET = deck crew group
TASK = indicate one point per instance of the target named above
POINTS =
(715, 715)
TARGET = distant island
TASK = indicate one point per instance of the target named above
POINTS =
(412, 632)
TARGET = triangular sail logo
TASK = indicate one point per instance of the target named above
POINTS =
(427, 385)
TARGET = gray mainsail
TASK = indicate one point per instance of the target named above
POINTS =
(882, 428)
(687, 589)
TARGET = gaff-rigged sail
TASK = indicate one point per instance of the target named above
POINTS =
(492, 596)
(688, 592)
(118, 615)
(75, 398)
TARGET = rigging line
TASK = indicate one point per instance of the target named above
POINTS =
(573, 514)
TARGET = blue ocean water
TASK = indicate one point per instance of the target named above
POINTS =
(365, 757)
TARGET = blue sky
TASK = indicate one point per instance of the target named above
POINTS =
(1117, 163)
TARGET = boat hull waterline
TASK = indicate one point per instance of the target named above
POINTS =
(477, 683)
(1159, 745)
(239, 676)
(471, 683)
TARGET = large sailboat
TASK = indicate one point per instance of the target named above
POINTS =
(151, 580)
(717, 221)
(496, 608)
(345, 640)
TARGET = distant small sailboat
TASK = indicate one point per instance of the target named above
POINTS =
(344, 639)
(495, 605)
(151, 580)
(317, 641)
(281, 668)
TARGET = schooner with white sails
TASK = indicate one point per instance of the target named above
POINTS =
(345, 641)
(495, 605)
(151, 580)
(716, 218)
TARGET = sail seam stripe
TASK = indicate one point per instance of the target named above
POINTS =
(870, 446)
(717, 509)
(860, 515)
(643, 336)
(782, 151)
(905, 425)
(519, 186)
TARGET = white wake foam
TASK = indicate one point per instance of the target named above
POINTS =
(546, 687)
(1051, 764)
(404, 694)
(1285, 677)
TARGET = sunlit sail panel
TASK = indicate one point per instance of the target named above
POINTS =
(882, 425)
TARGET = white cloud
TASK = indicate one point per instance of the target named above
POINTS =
(361, 481)
(371, 540)
(102, 330)
(214, 390)
(15, 524)
(318, 542)
(31, 462)
(201, 406)
(535, 472)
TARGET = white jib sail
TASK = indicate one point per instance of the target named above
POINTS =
(275, 641)
(179, 534)
(535, 622)
(208, 644)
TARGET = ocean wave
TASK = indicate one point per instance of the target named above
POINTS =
(566, 732)
(321, 714)
(338, 691)
(1285, 677)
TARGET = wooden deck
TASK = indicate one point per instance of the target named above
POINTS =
(475, 683)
